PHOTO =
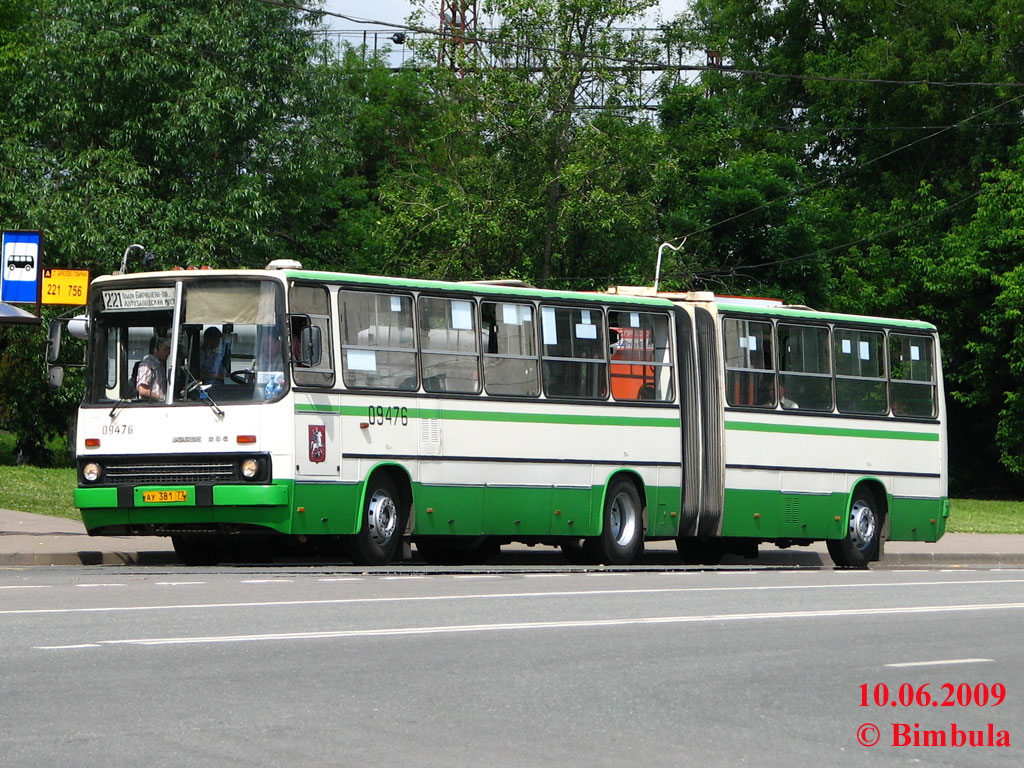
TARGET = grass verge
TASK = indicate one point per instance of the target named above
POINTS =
(981, 516)
(37, 490)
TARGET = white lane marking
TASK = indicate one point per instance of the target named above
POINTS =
(343, 578)
(938, 662)
(266, 581)
(177, 583)
(499, 596)
(66, 647)
(27, 586)
(478, 576)
(585, 624)
(101, 585)
(545, 575)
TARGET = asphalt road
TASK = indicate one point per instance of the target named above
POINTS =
(330, 667)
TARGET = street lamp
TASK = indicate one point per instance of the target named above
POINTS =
(148, 257)
(657, 269)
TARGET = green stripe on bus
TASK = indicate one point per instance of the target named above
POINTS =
(502, 416)
(798, 429)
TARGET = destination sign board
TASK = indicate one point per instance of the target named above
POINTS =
(135, 299)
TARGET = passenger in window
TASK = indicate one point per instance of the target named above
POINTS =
(784, 398)
(765, 390)
(151, 378)
(269, 357)
(297, 325)
(212, 365)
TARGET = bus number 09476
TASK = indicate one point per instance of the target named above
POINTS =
(379, 414)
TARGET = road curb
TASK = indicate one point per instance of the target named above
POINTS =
(88, 557)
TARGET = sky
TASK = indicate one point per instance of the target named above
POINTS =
(397, 11)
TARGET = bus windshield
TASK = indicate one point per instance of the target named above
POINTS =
(222, 337)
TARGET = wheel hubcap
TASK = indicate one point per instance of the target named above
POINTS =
(382, 518)
(862, 525)
(623, 519)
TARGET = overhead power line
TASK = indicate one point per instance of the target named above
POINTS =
(642, 64)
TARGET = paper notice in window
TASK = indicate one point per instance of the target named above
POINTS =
(547, 316)
(361, 359)
(586, 331)
(462, 315)
(865, 350)
(510, 314)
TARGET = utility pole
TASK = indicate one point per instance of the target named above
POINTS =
(458, 33)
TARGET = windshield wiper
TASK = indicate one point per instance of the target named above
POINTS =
(204, 396)
(121, 403)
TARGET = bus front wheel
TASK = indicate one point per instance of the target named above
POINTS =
(383, 524)
(622, 534)
(863, 537)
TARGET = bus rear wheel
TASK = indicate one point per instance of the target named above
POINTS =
(622, 534)
(863, 537)
(383, 524)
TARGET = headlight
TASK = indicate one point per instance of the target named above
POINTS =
(91, 472)
(250, 468)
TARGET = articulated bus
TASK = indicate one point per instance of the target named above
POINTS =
(351, 414)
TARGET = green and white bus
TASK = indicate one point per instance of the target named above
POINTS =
(351, 413)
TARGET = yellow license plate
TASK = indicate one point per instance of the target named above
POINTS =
(164, 497)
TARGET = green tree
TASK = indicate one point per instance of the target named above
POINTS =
(902, 175)
(518, 179)
(212, 132)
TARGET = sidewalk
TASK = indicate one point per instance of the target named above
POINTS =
(27, 539)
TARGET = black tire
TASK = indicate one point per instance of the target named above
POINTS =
(622, 527)
(382, 527)
(863, 536)
(198, 550)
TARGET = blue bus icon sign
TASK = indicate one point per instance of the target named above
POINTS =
(20, 270)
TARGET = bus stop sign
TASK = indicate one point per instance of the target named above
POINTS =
(21, 254)
(65, 286)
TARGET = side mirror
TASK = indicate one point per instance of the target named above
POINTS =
(310, 346)
(55, 376)
(53, 341)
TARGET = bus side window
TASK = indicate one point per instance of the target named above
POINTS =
(448, 345)
(574, 362)
(510, 349)
(749, 363)
(805, 367)
(641, 361)
(378, 348)
(310, 306)
(912, 375)
(860, 371)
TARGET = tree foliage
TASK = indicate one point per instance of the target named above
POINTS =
(856, 155)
